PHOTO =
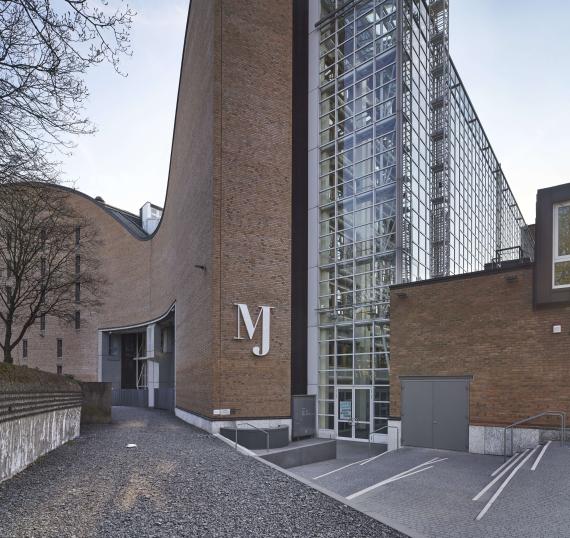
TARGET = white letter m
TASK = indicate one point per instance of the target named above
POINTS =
(265, 316)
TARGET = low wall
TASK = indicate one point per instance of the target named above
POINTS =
(97, 402)
(39, 411)
(490, 439)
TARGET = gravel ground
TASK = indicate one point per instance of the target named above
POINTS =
(178, 481)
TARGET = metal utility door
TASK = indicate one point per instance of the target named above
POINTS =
(435, 413)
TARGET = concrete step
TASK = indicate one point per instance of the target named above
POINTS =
(301, 453)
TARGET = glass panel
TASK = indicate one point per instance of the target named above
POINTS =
(562, 274)
(381, 423)
(361, 430)
(362, 413)
(362, 405)
(344, 413)
(345, 429)
(326, 422)
(564, 231)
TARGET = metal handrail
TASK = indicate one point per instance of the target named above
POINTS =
(253, 426)
(380, 429)
(560, 414)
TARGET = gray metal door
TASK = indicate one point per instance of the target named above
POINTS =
(435, 413)
(417, 416)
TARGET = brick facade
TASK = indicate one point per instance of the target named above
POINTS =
(483, 325)
(227, 209)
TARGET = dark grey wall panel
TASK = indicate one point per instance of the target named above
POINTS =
(544, 293)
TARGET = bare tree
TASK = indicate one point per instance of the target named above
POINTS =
(49, 261)
(46, 47)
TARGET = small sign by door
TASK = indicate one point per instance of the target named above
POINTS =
(345, 411)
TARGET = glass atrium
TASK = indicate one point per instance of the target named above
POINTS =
(409, 189)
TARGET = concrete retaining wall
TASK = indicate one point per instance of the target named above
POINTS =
(24, 440)
(97, 402)
(39, 411)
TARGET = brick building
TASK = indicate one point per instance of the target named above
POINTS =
(323, 151)
(474, 353)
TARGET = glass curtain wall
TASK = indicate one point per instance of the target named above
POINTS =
(376, 178)
(486, 224)
(358, 93)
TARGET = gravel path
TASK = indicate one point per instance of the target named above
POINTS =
(179, 481)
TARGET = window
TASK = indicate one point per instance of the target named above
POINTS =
(59, 369)
(77, 292)
(24, 349)
(77, 320)
(77, 265)
(43, 322)
(77, 235)
(59, 348)
(561, 246)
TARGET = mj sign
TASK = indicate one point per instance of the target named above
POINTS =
(265, 317)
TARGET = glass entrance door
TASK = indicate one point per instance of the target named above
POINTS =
(353, 413)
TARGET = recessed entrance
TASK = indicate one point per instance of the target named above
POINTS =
(353, 412)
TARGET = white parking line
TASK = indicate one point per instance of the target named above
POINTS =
(537, 461)
(398, 476)
(340, 469)
(504, 485)
(505, 464)
(375, 457)
(497, 478)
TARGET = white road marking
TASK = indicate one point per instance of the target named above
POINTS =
(537, 461)
(504, 485)
(403, 474)
(340, 469)
(375, 457)
(505, 464)
(497, 478)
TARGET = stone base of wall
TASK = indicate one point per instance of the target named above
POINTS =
(490, 439)
(25, 439)
(214, 426)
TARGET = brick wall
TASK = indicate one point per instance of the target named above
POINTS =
(228, 208)
(483, 325)
(252, 197)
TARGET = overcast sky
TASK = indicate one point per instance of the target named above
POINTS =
(511, 54)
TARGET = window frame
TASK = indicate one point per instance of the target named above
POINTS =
(555, 234)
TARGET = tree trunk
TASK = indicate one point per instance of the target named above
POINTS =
(8, 341)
